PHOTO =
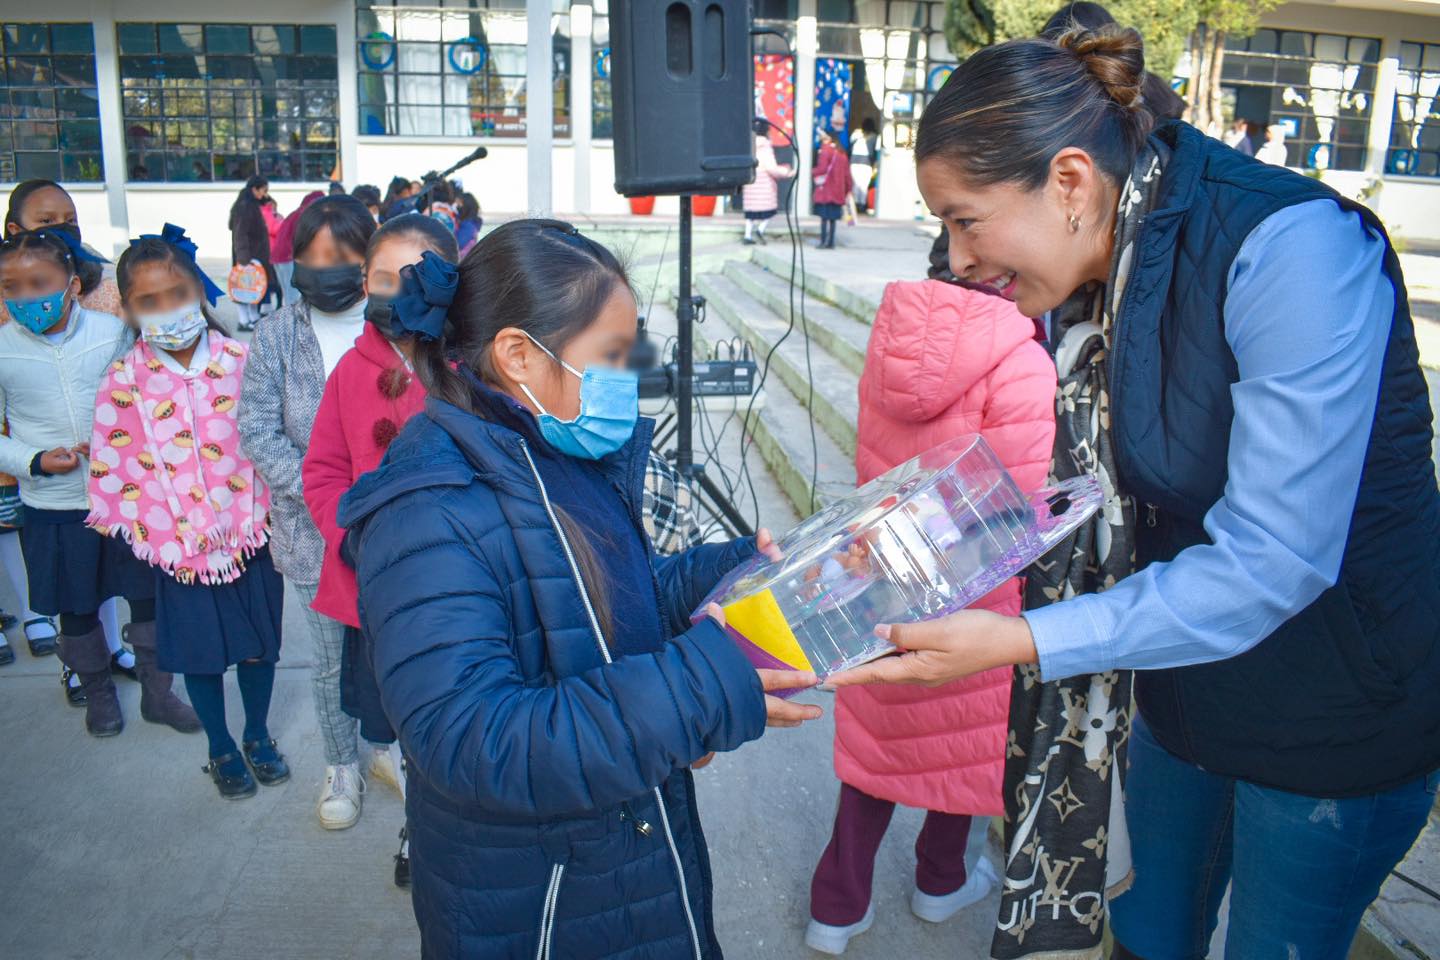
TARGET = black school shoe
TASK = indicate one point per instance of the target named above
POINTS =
(7, 656)
(119, 669)
(402, 861)
(231, 777)
(7, 620)
(43, 646)
(74, 693)
(267, 762)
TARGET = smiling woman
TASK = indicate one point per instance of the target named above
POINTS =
(1285, 648)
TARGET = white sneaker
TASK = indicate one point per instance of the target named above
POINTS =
(386, 767)
(339, 804)
(939, 909)
(833, 940)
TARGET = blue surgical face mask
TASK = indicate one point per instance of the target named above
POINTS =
(609, 407)
(38, 314)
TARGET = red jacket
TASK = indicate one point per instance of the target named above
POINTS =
(283, 249)
(944, 361)
(367, 400)
(833, 182)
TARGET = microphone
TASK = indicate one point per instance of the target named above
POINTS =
(480, 154)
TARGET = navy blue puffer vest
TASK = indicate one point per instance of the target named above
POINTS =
(1344, 698)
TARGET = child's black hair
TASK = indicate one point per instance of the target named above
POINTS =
(542, 277)
(153, 250)
(89, 272)
(367, 193)
(45, 243)
(429, 231)
(349, 221)
(468, 207)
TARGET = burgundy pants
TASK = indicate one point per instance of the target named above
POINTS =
(840, 891)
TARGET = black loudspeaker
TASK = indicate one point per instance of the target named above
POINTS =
(684, 96)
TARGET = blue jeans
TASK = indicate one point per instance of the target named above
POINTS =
(1302, 869)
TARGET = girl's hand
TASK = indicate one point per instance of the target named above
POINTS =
(946, 649)
(59, 461)
(779, 713)
(83, 449)
(783, 713)
(765, 543)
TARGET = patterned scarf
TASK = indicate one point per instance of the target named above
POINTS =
(166, 470)
(1067, 849)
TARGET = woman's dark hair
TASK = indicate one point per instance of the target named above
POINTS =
(44, 243)
(367, 193)
(1162, 102)
(349, 221)
(89, 272)
(148, 250)
(542, 277)
(1005, 112)
(867, 125)
(415, 226)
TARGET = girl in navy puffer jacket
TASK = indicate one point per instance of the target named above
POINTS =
(533, 654)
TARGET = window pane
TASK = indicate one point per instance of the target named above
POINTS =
(44, 166)
(27, 38)
(136, 37)
(32, 104)
(1265, 41)
(1294, 44)
(181, 38)
(36, 135)
(318, 40)
(77, 102)
(72, 38)
(29, 71)
(80, 135)
(6, 143)
(81, 166)
(230, 38)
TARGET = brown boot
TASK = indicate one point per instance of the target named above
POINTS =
(89, 657)
(158, 703)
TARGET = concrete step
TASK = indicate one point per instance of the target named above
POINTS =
(844, 337)
(819, 381)
(776, 259)
(780, 426)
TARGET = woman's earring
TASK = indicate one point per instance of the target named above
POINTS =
(1074, 223)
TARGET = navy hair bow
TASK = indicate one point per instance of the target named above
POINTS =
(427, 289)
(175, 237)
(71, 239)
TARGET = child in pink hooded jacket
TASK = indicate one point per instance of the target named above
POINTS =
(942, 361)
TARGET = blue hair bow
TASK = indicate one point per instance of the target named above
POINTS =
(427, 289)
(78, 250)
(175, 237)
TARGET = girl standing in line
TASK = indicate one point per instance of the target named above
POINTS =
(832, 186)
(52, 359)
(167, 478)
(250, 239)
(292, 355)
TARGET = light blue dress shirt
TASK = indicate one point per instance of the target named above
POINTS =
(1307, 316)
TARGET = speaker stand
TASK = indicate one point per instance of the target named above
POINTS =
(705, 488)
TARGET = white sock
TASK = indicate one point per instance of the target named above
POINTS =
(110, 619)
(13, 560)
(761, 227)
(750, 229)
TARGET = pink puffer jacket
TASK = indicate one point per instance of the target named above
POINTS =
(944, 361)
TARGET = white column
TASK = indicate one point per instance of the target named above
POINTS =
(1382, 108)
(344, 14)
(112, 126)
(581, 90)
(806, 47)
(539, 107)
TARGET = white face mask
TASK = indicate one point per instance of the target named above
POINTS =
(174, 329)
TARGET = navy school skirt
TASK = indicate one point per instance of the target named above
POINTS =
(204, 628)
(72, 569)
(359, 691)
(829, 211)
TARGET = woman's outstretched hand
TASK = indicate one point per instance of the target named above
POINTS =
(778, 712)
(939, 651)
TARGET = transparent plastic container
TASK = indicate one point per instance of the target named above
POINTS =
(928, 538)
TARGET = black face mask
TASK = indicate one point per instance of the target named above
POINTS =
(380, 310)
(331, 289)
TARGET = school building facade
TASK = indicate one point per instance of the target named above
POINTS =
(151, 112)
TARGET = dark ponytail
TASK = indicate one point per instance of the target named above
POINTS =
(1005, 112)
(542, 277)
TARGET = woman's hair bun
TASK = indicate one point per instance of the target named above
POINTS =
(1115, 57)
